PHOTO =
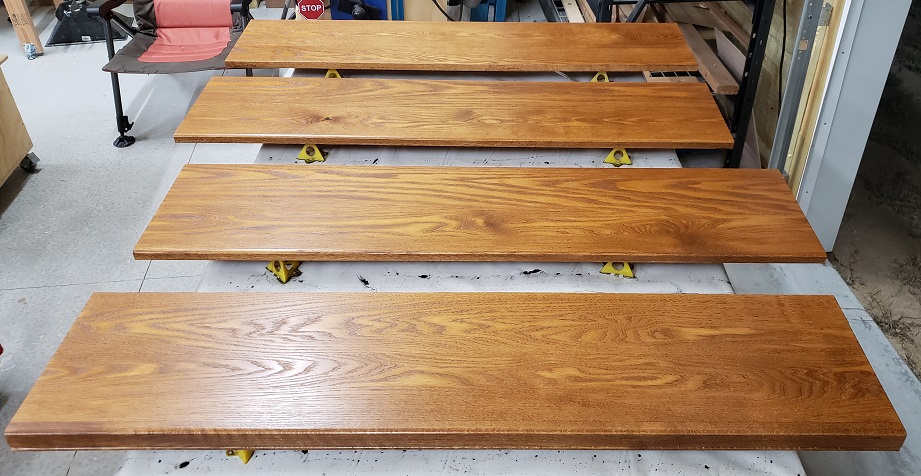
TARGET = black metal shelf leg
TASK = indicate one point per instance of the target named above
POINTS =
(745, 100)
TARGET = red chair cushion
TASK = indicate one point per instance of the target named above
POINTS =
(189, 30)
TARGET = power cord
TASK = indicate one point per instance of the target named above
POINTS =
(442, 10)
(783, 54)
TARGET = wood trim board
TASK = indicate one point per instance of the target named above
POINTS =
(396, 112)
(587, 13)
(461, 46)
(717, 75)
(366, 213)
(573, 14)
(457, 370)
(23, 25)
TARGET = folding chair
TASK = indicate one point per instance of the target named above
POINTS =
(172, 36)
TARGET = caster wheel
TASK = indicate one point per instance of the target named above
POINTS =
(29, 163)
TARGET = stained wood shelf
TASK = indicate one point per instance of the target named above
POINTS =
(462, 46)
(457, 370)
(393, 112)
(363, 213)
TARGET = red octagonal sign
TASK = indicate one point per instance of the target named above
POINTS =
(310, 9)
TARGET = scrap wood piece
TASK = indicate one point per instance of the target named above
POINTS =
(729, 53)
(573, 14)
(587, 13)
(693, 13)
(740, 33)
(670, 77)
(24, 26)
(713, 70)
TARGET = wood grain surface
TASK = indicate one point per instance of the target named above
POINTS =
(366, 213)
(457, 370)
(15, 141)
(462, 46)
(397, 112)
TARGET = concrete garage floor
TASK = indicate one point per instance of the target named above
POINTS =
(68, 231)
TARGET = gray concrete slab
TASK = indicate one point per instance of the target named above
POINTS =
(33, 322)
(791, 279)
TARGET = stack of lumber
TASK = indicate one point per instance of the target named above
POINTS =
(705, 26)
(719, 34)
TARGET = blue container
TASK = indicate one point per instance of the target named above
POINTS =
(380, 4)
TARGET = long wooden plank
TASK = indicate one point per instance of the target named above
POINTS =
(22, 22)
(727, 24)
(574, 15)
(461, 46)
(355, 213)
(693, 14)
(457, 370)
(711, 67)
(587, 13)
(454, 113)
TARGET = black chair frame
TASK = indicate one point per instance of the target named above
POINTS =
(105, 10)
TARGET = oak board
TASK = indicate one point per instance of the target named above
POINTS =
(397, 112)
(367, 213)
(457, 370)
(462, 46)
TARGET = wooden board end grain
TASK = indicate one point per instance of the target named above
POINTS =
(394, 112)
(457, 370)
(363, 213)
(461, 46)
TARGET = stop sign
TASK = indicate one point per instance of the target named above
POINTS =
(310, 9)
